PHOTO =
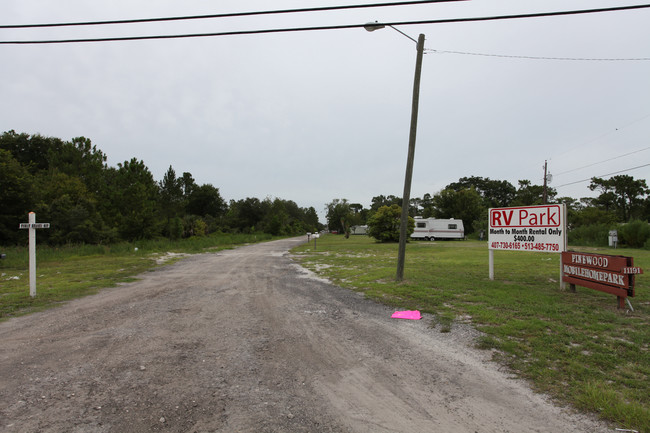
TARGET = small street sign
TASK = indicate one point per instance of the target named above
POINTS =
(35, 225)
(32, 225)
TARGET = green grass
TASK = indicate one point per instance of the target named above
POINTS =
(577, 347)
(69, 272)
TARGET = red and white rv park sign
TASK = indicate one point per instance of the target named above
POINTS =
(528, 228)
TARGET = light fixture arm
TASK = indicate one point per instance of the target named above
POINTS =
(399, 31)
(371, 27)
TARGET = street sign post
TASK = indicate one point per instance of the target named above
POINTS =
(32, 225)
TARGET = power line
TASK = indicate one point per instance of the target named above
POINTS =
(604, 175)
(538, 57)
(584, 143)
(600, 162)
(337, 27)
(224, 15)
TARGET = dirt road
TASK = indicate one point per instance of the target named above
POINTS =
(247, 341)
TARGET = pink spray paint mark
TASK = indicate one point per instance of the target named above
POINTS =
(410, 315)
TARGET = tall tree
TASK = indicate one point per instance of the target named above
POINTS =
(64, 201)
(15, 197)
(187, 184)
(32, 152)
(80, 158)
(427, 206)
(206, 200)
(172, 204)
(495, 193)
(245, 215)
(135, 196)
(382, 200)
(338, 215)
(171, 194)
(529, 194)
(311, 220)
(623, 194)
(465, 204)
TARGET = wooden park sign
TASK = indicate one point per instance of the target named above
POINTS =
(609, 274)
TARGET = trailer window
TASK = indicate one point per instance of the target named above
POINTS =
(422, 225)
(452, 226)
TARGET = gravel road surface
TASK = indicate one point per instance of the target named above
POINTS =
(246, 340)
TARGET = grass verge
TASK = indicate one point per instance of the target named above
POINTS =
(69, 272)
(577, 347)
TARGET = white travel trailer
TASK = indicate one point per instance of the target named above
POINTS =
(430, 229)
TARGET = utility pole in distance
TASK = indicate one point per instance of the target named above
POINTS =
(544, 197)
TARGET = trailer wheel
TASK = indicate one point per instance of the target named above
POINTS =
(432, 238)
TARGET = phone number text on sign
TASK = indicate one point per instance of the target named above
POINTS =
(525, 246)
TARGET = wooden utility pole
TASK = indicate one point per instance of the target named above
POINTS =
(406, 197)
(544, 199)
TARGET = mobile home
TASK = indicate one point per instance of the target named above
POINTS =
(430, 229)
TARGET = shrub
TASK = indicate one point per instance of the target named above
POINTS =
(634, 234)
(384, 225)
(595, 235)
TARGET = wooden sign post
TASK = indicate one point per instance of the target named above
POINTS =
(32, 226)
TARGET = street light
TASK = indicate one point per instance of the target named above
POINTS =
(371, 27)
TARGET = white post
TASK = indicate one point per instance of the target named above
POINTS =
(491, 260)
(565, 224)
(32, 254)
(32, 226)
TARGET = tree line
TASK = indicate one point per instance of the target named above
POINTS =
(70, 185)
(621, 200)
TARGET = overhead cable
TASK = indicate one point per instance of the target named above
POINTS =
(582, 59)
(335, 27)
(225, 15)
(584, 143)
(601, 162)
(604, 175)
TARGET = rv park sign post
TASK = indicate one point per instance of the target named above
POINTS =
(32, 225)
(527, 228)
(543, 229)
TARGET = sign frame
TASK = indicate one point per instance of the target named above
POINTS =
(540, 228)
(518, 228)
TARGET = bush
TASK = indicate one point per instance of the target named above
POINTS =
(384, 225)
(634, 234)
(594, 235)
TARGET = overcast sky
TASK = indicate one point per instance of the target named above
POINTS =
(313, 116)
